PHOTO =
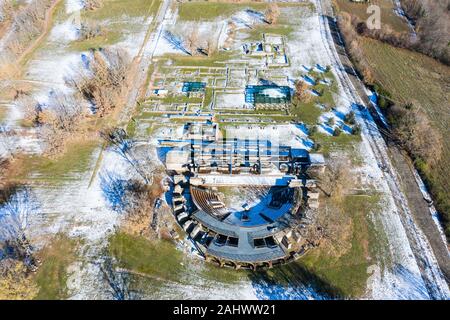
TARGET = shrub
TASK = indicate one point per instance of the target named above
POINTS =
(350, 117)
(337, 132)
(356, 130)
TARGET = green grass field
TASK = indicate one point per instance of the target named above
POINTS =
(75, 160)
(203, 61)
(343, 142)
(347, 273)
(388, 16)
(411, 77)
(52, 275)
(210, 10)
(2, 113)
(159, 259)
(115, 17)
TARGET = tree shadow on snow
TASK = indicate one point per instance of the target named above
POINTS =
(292, 282)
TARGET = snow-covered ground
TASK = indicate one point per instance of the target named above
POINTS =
(397, 275)
(80, 209)
(293, 135)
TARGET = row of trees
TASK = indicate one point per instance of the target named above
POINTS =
(413, 128)
(101, 87)
(432, 27)
(27, 24)
(410, 124)
(432, 24)
(346, 23)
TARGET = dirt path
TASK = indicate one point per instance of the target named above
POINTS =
(47, 26)
(144, 59)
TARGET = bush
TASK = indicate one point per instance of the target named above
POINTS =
(384, 97)
(337, 132)
(317, 146)
(90, 29)
(356, 130)
(106, 80)
(330, 121)
(416, 133)
(350, 117)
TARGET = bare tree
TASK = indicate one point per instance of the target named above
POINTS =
(61, 121)
(131, 198)
(8, 144)
(14, 222)
(210, 45)
(141, 212)
(417, 134)
(105, 83)
(191, 41)
(272, 13)
(118, 139)
(27, 25)
(347, 23)
(301, 91)
(32, 109)
(16, 282)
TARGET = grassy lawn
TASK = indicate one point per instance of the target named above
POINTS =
(114, 31)
(416, 78)
(281, 29)
(306, 112)
(223, 275)
(131, 128)
(200, 60)
(180, 99)
(110, 37)
(343, 142)
(52, 275)
(388, 16)
(347, 273)
(208, 97)
(210, 10)
(158, 259)
(76, 159)
(116, 9)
